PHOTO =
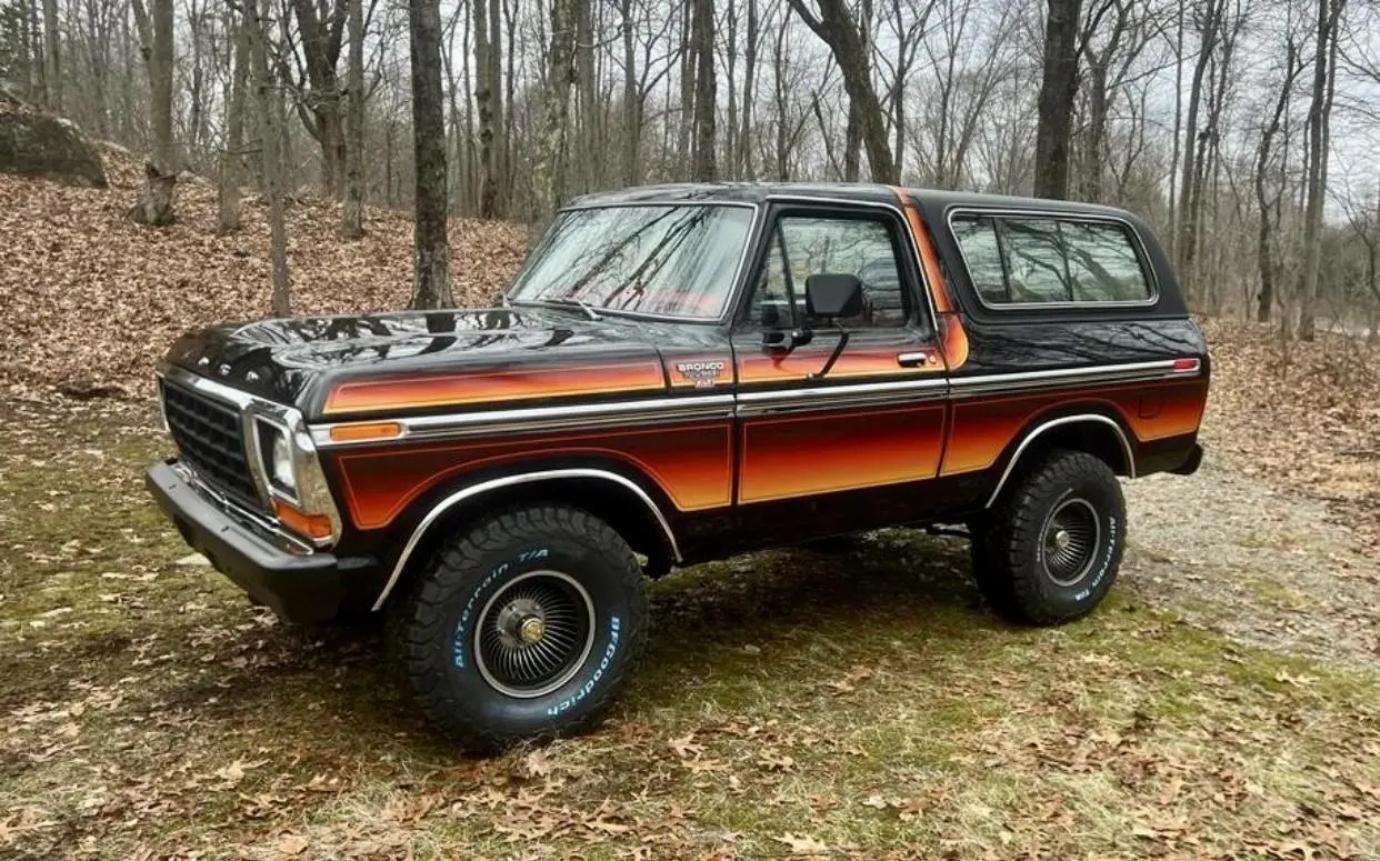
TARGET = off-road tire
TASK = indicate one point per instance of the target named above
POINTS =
(433, 629)
(1015, 553)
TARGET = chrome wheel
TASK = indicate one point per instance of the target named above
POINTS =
(1071, 536)
(534, 634)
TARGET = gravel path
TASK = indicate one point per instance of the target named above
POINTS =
(1258, 563)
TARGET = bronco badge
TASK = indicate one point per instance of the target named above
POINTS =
(703, 374)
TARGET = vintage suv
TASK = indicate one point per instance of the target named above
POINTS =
(677, 374)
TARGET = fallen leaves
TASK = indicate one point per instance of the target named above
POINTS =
(73, 263)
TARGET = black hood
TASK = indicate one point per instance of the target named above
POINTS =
(293, 360)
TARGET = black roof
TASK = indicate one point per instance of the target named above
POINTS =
(863, 192)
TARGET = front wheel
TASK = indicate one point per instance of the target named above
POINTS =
(1050, 551)
(525, 626)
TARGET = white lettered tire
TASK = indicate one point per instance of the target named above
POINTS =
(526, 626)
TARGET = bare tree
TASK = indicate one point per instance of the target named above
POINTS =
(232, 156)
(834, 25)
(322, 27)
(1058, 89)
(52, 56)
(155, 206)
(1268, 205)
(431, 269)
(352, 213)
(550, 169)
(1319, 152)
(270, 121)
(703, 166)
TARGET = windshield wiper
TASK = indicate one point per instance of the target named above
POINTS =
(580, 303)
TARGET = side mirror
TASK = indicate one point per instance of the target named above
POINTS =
(833, 295)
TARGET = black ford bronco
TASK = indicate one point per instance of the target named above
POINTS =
(681, 373)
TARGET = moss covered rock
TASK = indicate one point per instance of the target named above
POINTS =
(33, 143)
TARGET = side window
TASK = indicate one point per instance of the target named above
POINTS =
(1103, 263)
(846, 246)
(1036, 260)
(1023, 261)
(977, 238)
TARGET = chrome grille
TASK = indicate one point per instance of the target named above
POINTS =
(210, 439)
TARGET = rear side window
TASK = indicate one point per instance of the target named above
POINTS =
(1022, 260)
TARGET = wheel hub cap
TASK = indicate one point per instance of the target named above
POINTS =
(534, 634)
(1072, 536)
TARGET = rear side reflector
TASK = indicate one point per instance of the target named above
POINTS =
(365, 432)
(310, 525)
(1182, 366)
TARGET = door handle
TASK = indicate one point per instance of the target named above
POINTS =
(913, 360)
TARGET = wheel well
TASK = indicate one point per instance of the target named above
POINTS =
(1097, 435)
(619, 506)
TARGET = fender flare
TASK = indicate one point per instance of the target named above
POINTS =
(1053, 423)
(479, 489)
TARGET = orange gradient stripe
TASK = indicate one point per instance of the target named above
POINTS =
(691, 464)
(494, 386)
(809, 454)
(983, 429)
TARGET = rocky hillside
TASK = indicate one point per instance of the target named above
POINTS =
(92, 299)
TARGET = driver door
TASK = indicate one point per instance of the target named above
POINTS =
(840, 420)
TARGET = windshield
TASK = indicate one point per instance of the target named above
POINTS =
(676, 261)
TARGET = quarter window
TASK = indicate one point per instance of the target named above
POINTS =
(1031, 261)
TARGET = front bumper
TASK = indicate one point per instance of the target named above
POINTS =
(298, 584)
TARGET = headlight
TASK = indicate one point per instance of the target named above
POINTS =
(280, 464)
(277, 454)
(295, 485)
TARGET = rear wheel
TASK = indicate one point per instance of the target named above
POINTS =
(526, 626)
(1049, 552)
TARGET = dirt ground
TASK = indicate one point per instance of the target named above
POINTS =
(1224, 703)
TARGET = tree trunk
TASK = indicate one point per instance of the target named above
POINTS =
(271, 117)
(483, 100)
(495, 73)
(835, 26)
(155, 206)
(632, 103)
(745, 167)
(1265, 299)
(52, 56)
(1319, 111)
(431, 269)
(352, 213)
(549, 173)
(1186, 242)
(231, 157)
(319, 109)
(1058, 88)
(704, 167)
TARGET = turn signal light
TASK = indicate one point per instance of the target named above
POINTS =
(366, 432)
(311, 525)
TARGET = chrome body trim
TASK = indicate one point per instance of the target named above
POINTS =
(981, 384)
(534, 419)
(313, 494)
(1053, 423)
(774, 401)
(1142, 254)
(508, 481)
